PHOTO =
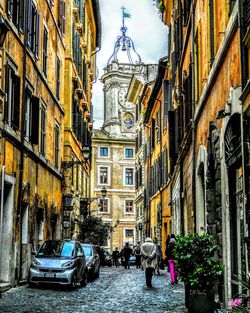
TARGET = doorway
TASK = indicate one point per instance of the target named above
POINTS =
(6, 244)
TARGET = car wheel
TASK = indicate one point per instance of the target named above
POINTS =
(73, 282)
(90, 275)
(98, 272)
(84, 279)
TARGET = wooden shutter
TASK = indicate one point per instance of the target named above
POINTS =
(35, 120)
(37, 34)
(172, 142)
(21, 16)
(29, 30)
(6, 102)
(63, 16)
(165, 91)
(16, 112)
(10, 8)
(247, 12)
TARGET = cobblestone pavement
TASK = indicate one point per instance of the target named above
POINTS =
(117, 290)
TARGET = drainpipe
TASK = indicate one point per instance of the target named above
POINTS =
(193, 121)
(19, 199)
(1, 220)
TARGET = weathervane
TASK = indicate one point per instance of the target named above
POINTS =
(124, 43)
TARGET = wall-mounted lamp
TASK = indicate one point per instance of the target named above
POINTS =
(104, 192)
(221, 114)
(86, 152)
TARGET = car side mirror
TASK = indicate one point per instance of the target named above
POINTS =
(79, 254)
(33, 253)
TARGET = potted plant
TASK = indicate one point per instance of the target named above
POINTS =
(198, 269)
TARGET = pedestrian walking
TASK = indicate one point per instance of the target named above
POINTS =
(149, 261)
(158, 255)
(126, 253)
(116, 256)
(170, 254)
(137, 253)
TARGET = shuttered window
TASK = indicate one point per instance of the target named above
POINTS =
(12, 98)
(187, 86)
(58, 72)
(187, 4)
(247, 12)
(43, 130)
(57, 144)
(33, 28)
(62, 16)
(172, 140)
(165, 101)
(45, 51)
(158, 124)
(15, 11)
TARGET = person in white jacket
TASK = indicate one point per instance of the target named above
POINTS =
(149, 260)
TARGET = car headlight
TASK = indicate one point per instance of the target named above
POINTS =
(35, 263)
(68, 264)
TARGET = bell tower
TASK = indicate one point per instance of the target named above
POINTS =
(119, 114)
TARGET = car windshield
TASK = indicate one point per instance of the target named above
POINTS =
(56, 249)
(87, 250)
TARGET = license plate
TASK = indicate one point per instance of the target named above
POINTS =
(49, 275)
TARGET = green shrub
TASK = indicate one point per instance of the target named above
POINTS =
(194, 255)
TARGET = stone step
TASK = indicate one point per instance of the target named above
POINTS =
(4, 287)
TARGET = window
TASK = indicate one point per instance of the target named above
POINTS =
(31, 117)
(103, 151)
(129, 153)
(57, 139)
(165, 101)
(58, 68)
(12, 98)
(15, 11)
(45, 51)
(33, 28)
(158, 124)
(103, 174)
(187, 4)
(129, 176)
(129, 206)
(211, 30)
(43, 130)
(103, 206)
(129, 236)
(197, 68)
(62, 15)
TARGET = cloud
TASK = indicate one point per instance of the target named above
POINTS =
(146, 30)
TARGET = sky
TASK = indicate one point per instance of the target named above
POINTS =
(146, 30)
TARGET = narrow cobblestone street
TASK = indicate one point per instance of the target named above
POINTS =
(117, 290)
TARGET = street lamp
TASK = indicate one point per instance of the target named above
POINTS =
(104, 192)
(4, 28)
(86, 152)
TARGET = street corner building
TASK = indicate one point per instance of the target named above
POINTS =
(47, 67)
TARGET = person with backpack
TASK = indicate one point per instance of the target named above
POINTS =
(137, 253)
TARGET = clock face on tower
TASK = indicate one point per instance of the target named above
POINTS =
(121, 96)
(128, 120)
